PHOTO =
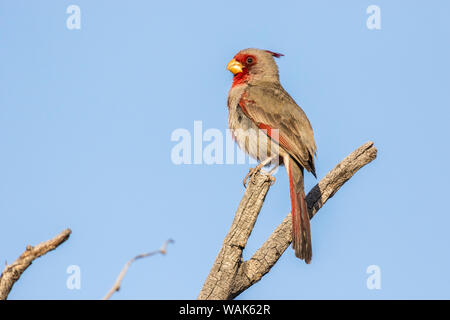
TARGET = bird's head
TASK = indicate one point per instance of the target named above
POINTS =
(254, 64)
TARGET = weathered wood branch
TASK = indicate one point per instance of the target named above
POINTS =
(118, 283)
(230, 276)
(12, 272)
(221, 276)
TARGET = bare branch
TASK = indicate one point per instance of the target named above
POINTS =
(228, 260)
(12, 272)
(117, 284)
(229, 275)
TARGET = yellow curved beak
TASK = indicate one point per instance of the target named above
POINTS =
(234, 66)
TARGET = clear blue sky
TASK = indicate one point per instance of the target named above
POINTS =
(86, 118)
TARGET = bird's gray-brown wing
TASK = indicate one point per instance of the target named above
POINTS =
(271, 107)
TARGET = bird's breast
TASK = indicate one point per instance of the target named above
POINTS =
(247, 135)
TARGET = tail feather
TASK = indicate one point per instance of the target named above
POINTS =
(301, 229)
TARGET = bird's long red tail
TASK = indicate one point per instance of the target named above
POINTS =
(301, 229)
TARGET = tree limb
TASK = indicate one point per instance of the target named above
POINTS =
(230, 276)
(117, 284)
(12, 272)
(220, 279)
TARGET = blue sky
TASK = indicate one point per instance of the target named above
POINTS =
(86, 118)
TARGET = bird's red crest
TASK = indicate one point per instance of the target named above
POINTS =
(275, 54)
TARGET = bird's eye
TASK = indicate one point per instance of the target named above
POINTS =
(249, 60)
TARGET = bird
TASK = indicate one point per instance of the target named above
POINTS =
(258, 106)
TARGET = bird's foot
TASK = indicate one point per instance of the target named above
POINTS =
(253, 171)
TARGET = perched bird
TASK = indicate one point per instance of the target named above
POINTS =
(258, 105)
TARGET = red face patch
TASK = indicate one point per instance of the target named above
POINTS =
(247, 60)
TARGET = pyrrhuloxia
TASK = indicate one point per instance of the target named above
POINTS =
(257, 103)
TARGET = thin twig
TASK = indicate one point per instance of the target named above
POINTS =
(117, 284)
(12, 272)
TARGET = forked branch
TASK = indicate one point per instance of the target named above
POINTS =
(230, 275)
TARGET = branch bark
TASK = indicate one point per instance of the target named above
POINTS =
(12, 272)
(230, 275)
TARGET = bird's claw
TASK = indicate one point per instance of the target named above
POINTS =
(253, 171)
(250, 173)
